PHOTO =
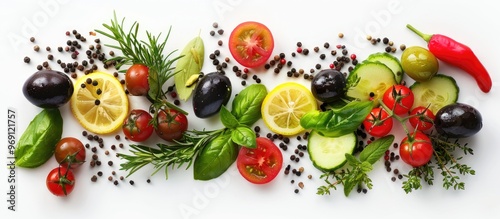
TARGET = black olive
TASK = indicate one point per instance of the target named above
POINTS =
(212, 91)
(328, 85)
(48, 89)
(458, 120)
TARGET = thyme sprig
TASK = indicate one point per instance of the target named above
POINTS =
(446, 161)
(355, 173)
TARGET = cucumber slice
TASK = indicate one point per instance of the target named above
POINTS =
(439, 91)
(369, 77)
(328, 154)
(390, 61)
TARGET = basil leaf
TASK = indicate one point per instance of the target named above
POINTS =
(244, 136)
(376, 149)
(246, 105)
(215, 158)
(337, 122)
(228, 119)
(190, 64)
(38, 142)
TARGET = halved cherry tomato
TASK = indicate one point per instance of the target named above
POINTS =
(262, 164)
(416, 150)
(378, 123)
(251, 44)
(136, 80)
(137, 126)
(421, 118)
(399, 99)
(70, 152)
(60, 181)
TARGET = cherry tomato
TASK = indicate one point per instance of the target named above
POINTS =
(421, 118)
(70, 151)
(171, 124)
(251, 44)
(262, 164)
(137, 126)
(378, 123)
(136, 79)
(60, 181)
(399, 98)
(417, 150)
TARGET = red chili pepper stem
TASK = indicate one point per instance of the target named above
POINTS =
(457, 54)
(426, 37)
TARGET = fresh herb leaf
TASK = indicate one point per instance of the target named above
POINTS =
(337, 122)
(247, 104)
(228, 119)
(190, 64)
(376, 149)
(215, 158)
(38, 141)
(244, 136)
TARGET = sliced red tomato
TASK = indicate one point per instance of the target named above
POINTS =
(262, 164)
(251, 44)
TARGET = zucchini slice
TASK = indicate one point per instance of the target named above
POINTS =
(437, 92)
(390, 61)
(328, 154)
(369, 81)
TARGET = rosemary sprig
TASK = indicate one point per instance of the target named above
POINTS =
(164, 156)
(149, 53)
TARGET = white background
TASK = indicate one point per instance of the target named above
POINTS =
(474, 23)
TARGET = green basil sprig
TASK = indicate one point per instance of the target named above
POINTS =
(337, 122)
(212, 162)
(210, 152)
(38, 142)
(246, 106)
(215, 158)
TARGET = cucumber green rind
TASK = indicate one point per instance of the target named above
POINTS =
(390, 61)
(369, 77)
(436, 93)
(327, 153)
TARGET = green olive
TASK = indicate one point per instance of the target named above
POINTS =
(419, 63)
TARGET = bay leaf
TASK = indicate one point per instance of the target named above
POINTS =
(190, 64)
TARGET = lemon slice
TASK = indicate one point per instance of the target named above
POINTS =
(99, 103)
(283, 107)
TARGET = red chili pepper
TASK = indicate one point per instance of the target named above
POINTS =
(457, 54)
